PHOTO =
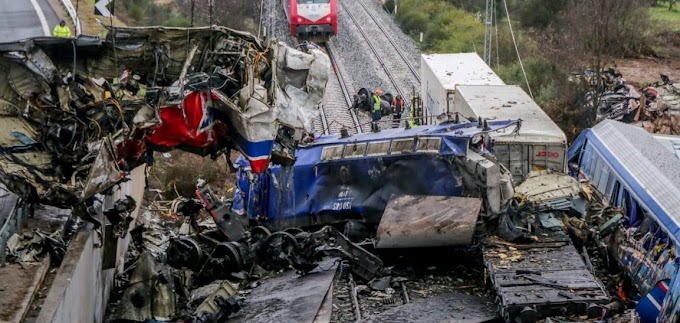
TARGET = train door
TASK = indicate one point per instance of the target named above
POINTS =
(512, 156)
(546, 156)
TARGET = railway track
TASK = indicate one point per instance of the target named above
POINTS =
(335, 112)
(397, 48)
(393, 60)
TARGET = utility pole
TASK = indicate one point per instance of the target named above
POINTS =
(488, 22)
(193, 2)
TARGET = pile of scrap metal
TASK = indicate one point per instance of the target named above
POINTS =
(73, 125)
(655, 107)
(199, 276)
(647, 262)
(26, 247)
(540, 266)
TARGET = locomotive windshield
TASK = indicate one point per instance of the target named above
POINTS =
(312, 1)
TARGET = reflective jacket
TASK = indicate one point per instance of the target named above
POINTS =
(376, 103)
(60, 31)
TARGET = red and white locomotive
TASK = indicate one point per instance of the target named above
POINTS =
(312, 20)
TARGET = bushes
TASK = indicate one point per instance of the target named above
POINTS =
(177, 22)
(544, 77)
(445, 27)
(539, 14)
(413, 22)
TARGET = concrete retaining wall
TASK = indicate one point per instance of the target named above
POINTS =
(81, 288)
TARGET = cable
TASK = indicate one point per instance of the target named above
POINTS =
(512, 33)
(495, 22)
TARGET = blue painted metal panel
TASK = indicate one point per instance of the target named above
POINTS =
(640, 177)
(359, 188)
(635, 188)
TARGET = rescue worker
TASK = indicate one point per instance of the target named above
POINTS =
(61, 30)
(397, 110)
(377, 114)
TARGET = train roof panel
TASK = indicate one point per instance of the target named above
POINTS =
(672, 143)
(509, 101)
(460, 68)
(460, 130)
(647, 162)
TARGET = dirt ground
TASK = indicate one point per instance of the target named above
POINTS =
(642, 71)
(16, 280)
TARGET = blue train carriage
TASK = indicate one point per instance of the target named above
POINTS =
(338, 179)
(639, 175)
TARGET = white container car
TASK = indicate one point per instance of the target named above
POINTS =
(442, 73)
(539, 144)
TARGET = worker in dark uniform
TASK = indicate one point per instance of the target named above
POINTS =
(377, 114)
(397, 110)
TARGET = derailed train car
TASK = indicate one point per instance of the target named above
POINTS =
(638, 181)
(353, 178)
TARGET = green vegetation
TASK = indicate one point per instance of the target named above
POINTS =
(554, 38)
(445, 28)
(667, 19)
(148, 13)
(237, 14)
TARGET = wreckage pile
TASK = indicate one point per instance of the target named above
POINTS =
(655, 107)
(536, 257)
(77, 115)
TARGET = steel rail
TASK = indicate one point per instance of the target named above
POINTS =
(394, 44)
(374, 50)
(343, 87)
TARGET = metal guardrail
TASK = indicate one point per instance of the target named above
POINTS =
(74, 15)
(13, 223)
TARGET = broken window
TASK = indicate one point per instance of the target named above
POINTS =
(614, 194)
(608, 189)
(604, 178)
(619, 195)
(331, 152)
(585, 160)
(355, 150)
(430, 145)
(402, 146)
(378, 148)
(596, 171)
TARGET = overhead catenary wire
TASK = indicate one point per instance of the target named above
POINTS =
(512, 33)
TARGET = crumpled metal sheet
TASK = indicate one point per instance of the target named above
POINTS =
(150, 293)
(298, 101)
(243, 89)
(428, 221)
(104, 172)
(546, 188)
